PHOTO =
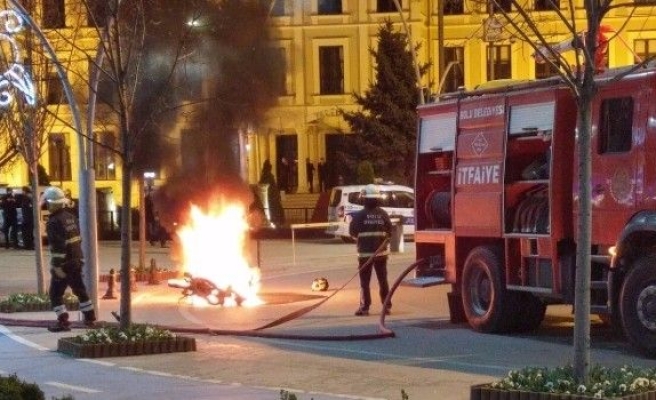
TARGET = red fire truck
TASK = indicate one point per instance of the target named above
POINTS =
(496, 203)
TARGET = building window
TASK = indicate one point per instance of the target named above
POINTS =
(615, 125)
(191, 154)
(277, 8)
(329, 7)
(547, 5)
(453, 7)
(500, 6)
(104, 155)
(97, 12)
(189, 81)
(544, 70)
(55, 90)
(281, 75)
(54, 14)
(106, 93)
(498, 62)
(455, 77)
(644, 49)
(387, 6)
(331, 69)
(59, 155)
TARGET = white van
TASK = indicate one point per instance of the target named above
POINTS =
(397, 200)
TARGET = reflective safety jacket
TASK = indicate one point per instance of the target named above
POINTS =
(64, 239)
(371, 226)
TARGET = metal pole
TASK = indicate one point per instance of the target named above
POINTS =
(87, 210)
(440, 39)
(142, 223)
(413, 51)
(293, 248)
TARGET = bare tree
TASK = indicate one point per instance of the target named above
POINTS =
(589, 46)
(151, 53)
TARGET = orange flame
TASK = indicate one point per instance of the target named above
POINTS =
(214, 246)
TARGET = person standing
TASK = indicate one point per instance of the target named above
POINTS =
(65, 260)
(372, 227)
(283, 175)
(309, 169)
(26, 204)
(321, 170)
(10, 215)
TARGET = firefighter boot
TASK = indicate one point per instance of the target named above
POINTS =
(89, 318)
(62, 325)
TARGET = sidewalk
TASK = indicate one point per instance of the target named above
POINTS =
(373, 369)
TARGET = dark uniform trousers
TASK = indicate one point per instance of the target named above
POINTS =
(380, 265)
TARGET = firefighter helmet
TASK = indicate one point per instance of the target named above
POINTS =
(54, 195)
(320, 285)
(371, 192)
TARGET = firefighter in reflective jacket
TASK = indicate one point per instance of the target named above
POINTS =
(371, 227)
(66, 260)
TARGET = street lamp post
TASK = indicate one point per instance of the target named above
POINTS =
(88, 218)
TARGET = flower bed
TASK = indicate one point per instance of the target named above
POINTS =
(78, 349)
(112, 342)
(27, 302)
(625, 383)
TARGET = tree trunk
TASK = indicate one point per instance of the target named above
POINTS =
(583, 267)
(126, 241)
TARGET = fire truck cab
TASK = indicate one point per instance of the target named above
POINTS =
(496, 203)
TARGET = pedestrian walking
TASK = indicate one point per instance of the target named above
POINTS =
(9, 205)
(372, 227)
(309, 169)
(66, 260)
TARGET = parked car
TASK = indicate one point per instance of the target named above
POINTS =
(397, 200)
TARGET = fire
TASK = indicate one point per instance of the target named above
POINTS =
(214, 247)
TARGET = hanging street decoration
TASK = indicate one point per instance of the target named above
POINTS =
(15, 76)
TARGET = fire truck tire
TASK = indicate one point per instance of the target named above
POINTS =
(638, 305)
(488, 306)
(438, 209)
(530, 312)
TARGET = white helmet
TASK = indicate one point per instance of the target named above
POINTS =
(371, 191)
(54, 195)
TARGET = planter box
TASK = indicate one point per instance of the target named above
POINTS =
(484, 392)
(76, 349)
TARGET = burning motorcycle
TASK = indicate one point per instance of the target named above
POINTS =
(204, 289)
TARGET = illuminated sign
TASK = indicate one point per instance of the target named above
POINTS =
(15, 76)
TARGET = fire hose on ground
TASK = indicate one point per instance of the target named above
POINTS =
(383, 330)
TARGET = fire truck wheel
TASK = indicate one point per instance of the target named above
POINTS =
(530, 310)
(638, 305)
(487, 304)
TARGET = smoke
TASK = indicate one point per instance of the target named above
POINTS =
(226, 76)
